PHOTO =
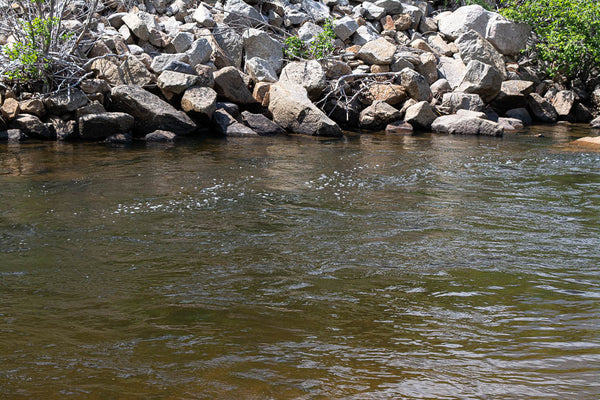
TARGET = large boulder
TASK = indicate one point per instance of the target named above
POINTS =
(416, 85)
(521, 114)
(176, 82)
(65, 101)
(32, 126)
(507, 36)
(378, 115)
(102, 125)
(513, 94)
(378, 51)
(199, 102)
(203, 16)
(260, 70)
(460, 125)
(237, 12)
(230, 85)
(345, 27)
(229, 126)
(389, 92)
(452, 70)
(130, 71)
(199, 52)
(541, 109)
(10, 109)
(473, 46)
(228, 46)
(473, 17)
(258, 43)
(316, 10)
(293, 110)
(261, 124)
(141, 24)
(454, 101)
(481, 79)
(308, 74)
(563, 102)
(150, 112)
(420, 115)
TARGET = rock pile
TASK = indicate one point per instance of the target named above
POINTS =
(172, 68)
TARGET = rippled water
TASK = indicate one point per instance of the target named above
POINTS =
(288, 268)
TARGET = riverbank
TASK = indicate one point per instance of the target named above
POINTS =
(158, 72)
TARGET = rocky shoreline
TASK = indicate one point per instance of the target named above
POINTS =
(169, 69)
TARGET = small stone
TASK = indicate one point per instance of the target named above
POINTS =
(160, 136)
(399, 128)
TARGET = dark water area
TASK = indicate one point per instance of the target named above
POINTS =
(375, 267)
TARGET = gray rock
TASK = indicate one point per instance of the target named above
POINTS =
(294, 16)
(308, 31)
(176, 82)
(378, 51)
(12, 135)
(563, 102)
(420, 115)
(63, 130)
(203, 17)
(458, 125)
(238, 12)
(416, 85)
(150, 112)
(440, 87)
(364, 35)
(345, 27)
(513, 94)
(262, 125)
(439, 45)
(178, 66)
(316, 10)
(119, 138)
(428, 25)
(462, 101)
(229, 126)
(415, 14)
(137, 25)
(260, 70)
(199, 52)
(259, 44)
(160, 136)
(595, 123)
(372, 11)
(541, 109)
(507, 36)
(32, 126)
(131, 71)
(228, 47)
(473, 46)
(308, 74)
(466, 18)
(230, 85)
(378, 115)
(65, 101)
(160, 62)
(521, 114)
(292, 109)
(182, 41)
(481, 79)
(452, 70)
(428, 67)
(391, 7)
(103, 125)
(510, 124)
(199, 102)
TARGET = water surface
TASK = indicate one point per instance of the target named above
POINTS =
(374, 267)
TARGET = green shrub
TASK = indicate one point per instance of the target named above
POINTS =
(321, 47)
(567, 34)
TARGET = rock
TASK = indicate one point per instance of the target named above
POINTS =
(119, 138)
(238, 13)
(462, 101)
(335, 68)
(229, 126)
(439, 45)
(10, 109)
(345, 27)
(513, 94)
(294, 16)
(472, 46)
(507, 36)
(63, 130)
(260, 70)
(471, 114)
(416, 85)
(440, 87)
(595, 123)
(481, 79)
(390, 7)
(510, 123)
(137, 25)
(91, 108)
(261, 93)
(199, 52)
(420, 115)
(90, 86)
(259, 44)
(65, 101)
(363, 35)
(308, 31)
(182, 41)
(3, 125)
(399, 128)
(316, 10)
(150, 112)
(129, 72)
(33, 106)
(473, 17)
(232, 108)
(541, 109)
(262, 125)
(228, 47)
(293, 110)
(563, 102)
(588, 141)
(428, 25)
(199, 102)
(159, 39)
(32, 126)
(378, 115)
(308, 74)
(422, 45)
(178, 66)
(415, 14)
(379, 51)
(390, 93)
(160, 136)
(521, 114)
(230, 85)
(452, 70)
(372, 11)
(428, 67)
(203, 17)
(12, 135)
(582, 113)
(101, 126)
(160, 62)
(458, 125)
(176, 82)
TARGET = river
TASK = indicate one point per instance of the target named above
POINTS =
(375, 267)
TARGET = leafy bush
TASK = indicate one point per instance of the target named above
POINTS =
(321, 47)
(567, 34)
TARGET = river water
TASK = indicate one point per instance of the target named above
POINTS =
(375, 267)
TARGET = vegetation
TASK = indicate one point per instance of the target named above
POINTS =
(567, 34)
(321, 46)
